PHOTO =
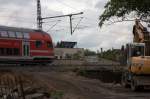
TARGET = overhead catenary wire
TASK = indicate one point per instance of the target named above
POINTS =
(53, 26)
(51, 21)
(19, 19)
(89, 25)
(56, 31)
(82, 26)
(10, 15)
(77, 24)
(67, 5)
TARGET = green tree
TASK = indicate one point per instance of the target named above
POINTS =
(77, 55)
(88, 52)
(121, 8)
(112, 54)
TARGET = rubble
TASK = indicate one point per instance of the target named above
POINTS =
(21, 86)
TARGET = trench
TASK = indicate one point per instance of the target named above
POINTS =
(106, 76)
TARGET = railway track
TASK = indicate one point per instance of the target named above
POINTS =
(16, 67)
(53, 67)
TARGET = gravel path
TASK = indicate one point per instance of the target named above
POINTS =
(76, 87)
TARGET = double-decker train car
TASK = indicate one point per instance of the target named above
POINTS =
(25, 46)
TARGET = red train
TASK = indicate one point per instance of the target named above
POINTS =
(25, 46)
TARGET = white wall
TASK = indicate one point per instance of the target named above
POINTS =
(62, 52)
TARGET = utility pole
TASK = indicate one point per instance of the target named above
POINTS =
(39, 17)
(71, 24)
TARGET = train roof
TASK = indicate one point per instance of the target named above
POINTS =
(17, 29)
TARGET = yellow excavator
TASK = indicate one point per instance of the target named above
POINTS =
(136, 75)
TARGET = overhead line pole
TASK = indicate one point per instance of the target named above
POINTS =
(40, 19)
(71, 24)
(68, 15)
(62, 16)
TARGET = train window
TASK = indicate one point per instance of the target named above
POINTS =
(4, 34)
(38, 44)
(26, 35)
(49, 45)
(8, 51)
(1, 51)
(19, 35)
(16, 51)
(12, 34)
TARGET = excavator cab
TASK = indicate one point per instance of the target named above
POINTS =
(135, 54)
(137, 49)
(137, 72)
(134, 50)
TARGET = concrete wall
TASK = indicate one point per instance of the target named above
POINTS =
(84, 63)
(62, 53)
(68, 62)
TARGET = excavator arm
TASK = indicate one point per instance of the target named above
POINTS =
(138, 32)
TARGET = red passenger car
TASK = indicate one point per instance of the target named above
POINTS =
(19, 45)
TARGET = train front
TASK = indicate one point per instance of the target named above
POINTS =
(41, 47)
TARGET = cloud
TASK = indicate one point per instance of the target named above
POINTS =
(100, 4)
(15, 2)
(22, 13)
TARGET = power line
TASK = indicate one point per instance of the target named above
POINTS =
(78, 27)
(76, 18)
(84, 23)
(40, 18)
(78, 24)
(21, 21)
(53, 26)
(67, 5)
(51, 21)
(58, 30)
(15, 17)
(68, 15)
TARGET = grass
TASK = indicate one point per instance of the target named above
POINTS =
(57, 94)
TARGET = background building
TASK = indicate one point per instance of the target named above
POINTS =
(68, 50)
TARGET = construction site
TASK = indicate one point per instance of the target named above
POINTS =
(72, 52)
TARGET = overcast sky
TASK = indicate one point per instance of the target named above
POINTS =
(22, 13)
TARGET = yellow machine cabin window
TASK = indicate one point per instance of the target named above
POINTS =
(138, 51)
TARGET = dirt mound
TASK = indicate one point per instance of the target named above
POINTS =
(15, 85)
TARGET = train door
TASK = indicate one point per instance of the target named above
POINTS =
(26, 48)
